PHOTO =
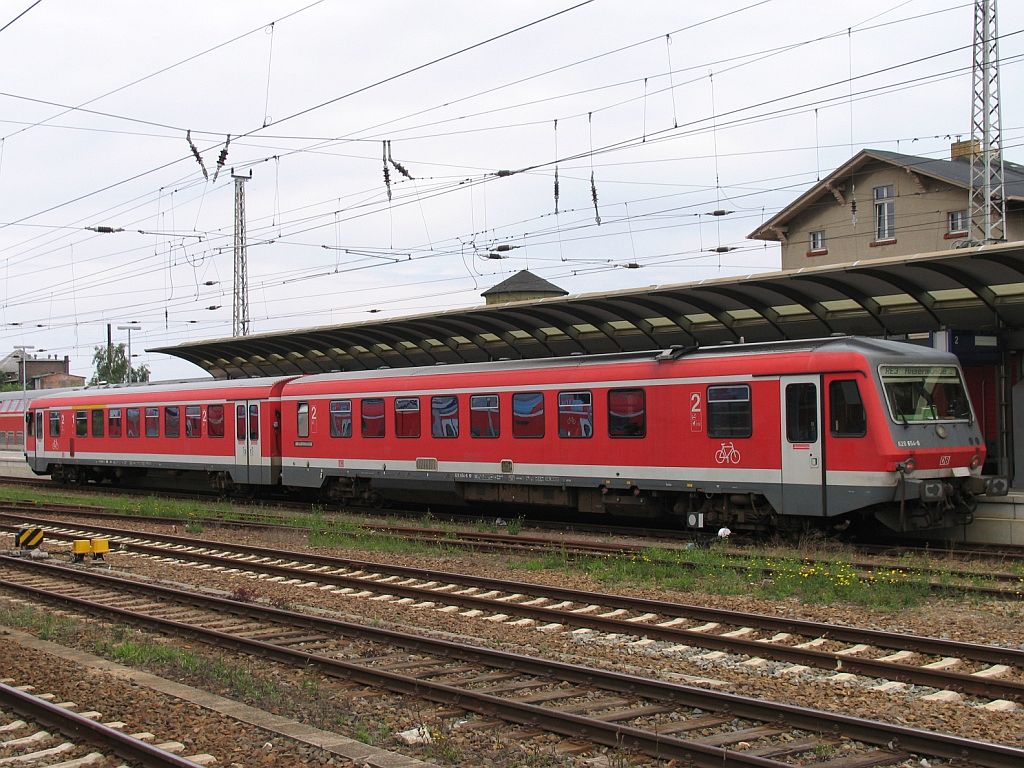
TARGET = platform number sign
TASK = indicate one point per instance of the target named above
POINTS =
(696, 413)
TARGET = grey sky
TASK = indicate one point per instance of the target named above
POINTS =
(758, 103)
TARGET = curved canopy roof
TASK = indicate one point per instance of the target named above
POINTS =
(980, 288)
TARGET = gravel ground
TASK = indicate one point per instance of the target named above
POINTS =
(375, 717)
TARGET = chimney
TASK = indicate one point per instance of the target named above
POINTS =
(963, 150)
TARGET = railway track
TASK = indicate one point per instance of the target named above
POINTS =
(987, 672)
(662, 537)
(670, 721)
(957, 581)
(33, 730)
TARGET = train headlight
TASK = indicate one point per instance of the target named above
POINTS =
(975, 461)
(940, 430)
(907, 466)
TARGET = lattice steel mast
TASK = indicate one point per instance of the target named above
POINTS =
(988, 204)
(240, 304)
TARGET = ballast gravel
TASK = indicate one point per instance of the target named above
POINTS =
(378, 718)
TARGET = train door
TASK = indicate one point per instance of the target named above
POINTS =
(803, 461)
(248, 457)
(33, 435)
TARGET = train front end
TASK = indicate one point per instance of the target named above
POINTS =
(933, 462)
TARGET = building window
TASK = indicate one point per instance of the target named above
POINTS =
(484, 416)
(957, 221)
(818, 241)
(444, 416)
(729, 411)
(885, 212)
(407, 417)
(302, 416)
(341, 418)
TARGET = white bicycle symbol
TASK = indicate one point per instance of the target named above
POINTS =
(727, 454)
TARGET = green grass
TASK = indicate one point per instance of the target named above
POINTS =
(717, 571)
(43, 624)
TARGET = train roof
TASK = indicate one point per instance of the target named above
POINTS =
(874, 350)
(185, 385)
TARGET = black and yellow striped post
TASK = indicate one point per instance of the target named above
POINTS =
(29, 538)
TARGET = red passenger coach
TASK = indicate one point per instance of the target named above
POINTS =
(227, 429)
(761, 436)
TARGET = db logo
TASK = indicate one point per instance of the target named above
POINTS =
(727, 454)
(944, 461)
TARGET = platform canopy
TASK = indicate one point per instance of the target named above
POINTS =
(977, 289)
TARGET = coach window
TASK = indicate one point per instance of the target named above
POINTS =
(214, 421)
(371, 417)
(254, 422)
(729, 411)
(801, 413)
(407, 417)
(341, 418)
(81, 424)
(152, 422)
(846, 409)
(528, 414)
(444, 416)
(97, 423)
(132, 422)
(240, 422)
(193, 421)
(627, 413)
(575, 414)
(29, 420)
(484, 416)
(172, 421)
(54, 424)
(302, 420)
(114, 422)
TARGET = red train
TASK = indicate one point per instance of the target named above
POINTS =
(750, 436)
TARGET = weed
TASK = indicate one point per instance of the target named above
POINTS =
(244, 593)
(824, 751)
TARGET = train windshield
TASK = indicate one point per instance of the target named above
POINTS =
(925, 393)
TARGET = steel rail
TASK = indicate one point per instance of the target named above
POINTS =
(894, 640)
(83, 729)
(514, 542)
(888, 735)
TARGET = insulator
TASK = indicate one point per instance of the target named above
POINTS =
(719, 212)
